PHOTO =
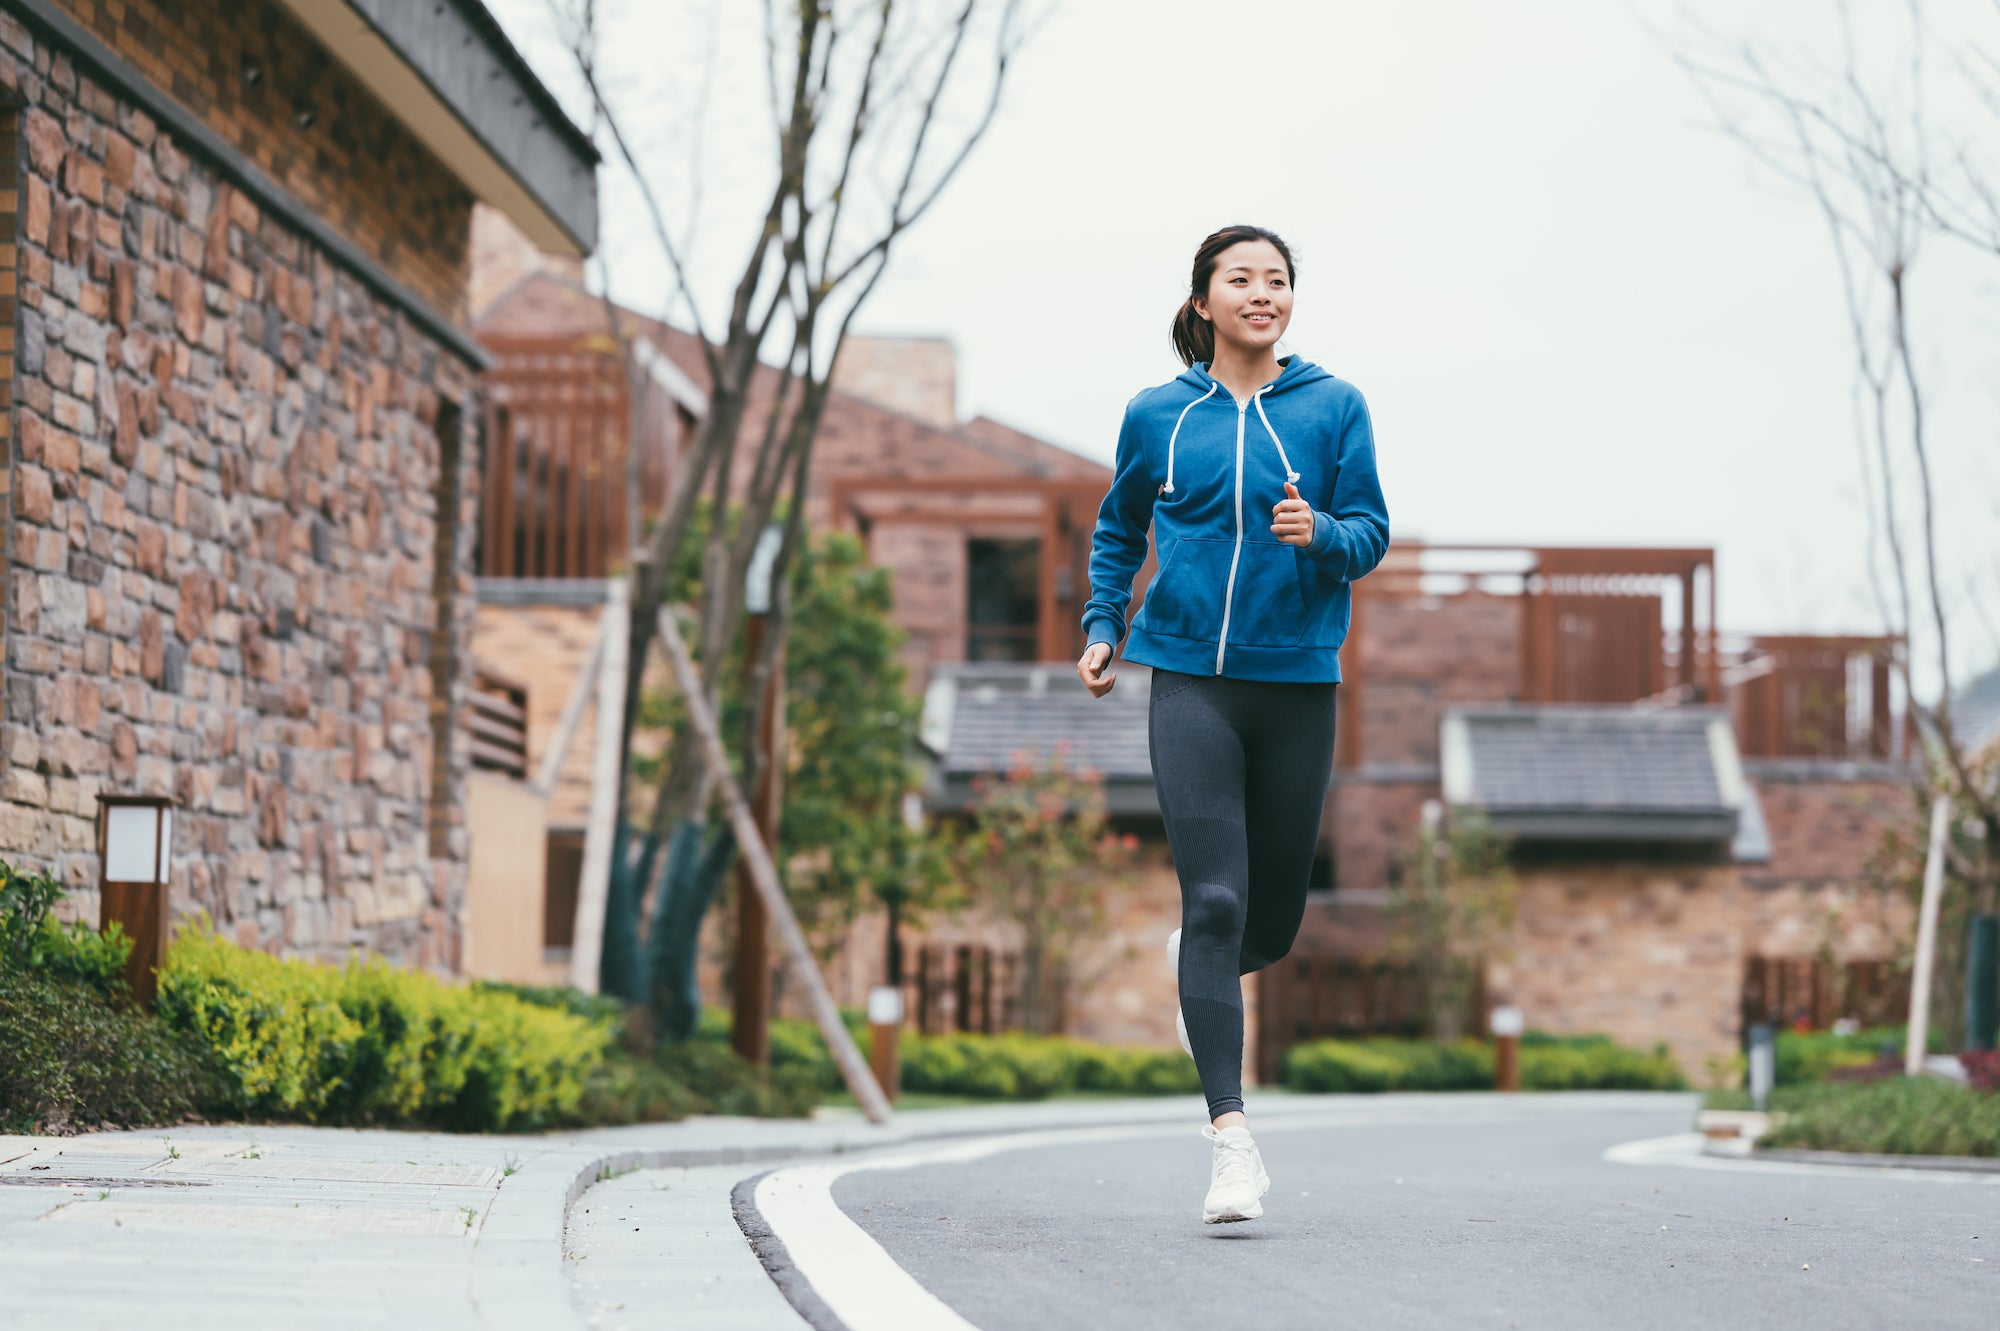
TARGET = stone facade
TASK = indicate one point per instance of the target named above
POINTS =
(302, 120)
(242, 491)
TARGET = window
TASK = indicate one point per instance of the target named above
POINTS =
(1003, 600)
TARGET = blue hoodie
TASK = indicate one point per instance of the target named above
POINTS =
(1204, 471)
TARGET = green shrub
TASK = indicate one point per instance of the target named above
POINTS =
(1810, 1056)
(1548, 1063)
(72, 1060)
(1900, 1116)
(1388, 1065)
(368, 1043)
(1600, 1067)
(75, 951)
(605, 1009)
(31, 938)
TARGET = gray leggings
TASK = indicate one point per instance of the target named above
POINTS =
(1242, 768)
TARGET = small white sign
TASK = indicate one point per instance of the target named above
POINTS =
(885, 1006)
(1506, 1020)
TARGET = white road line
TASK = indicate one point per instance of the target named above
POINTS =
(865, 1287)
(1683, 1150)
(860, 1282)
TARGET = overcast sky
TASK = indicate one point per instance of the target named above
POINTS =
(1579, 314)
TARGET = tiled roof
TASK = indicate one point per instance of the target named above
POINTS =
(1588, 773)
(978, 717)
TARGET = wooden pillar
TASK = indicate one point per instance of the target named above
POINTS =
(750, 1032)
(1688, 666)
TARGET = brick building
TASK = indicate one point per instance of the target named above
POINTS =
(242, 440)
(1630, 922)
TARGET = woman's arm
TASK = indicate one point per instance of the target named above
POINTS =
(1352, 539)
(1118, 545)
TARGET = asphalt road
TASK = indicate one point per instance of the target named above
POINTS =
(1464, 1220)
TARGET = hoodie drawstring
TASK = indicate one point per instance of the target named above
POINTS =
(1177, 431)
(1258, 398)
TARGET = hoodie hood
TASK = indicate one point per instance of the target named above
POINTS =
(1296, 372)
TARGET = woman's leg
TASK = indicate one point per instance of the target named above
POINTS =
(1288, 764)
(1198, 771)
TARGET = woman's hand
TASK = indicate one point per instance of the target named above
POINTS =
(1292, 518)
(1090, 669)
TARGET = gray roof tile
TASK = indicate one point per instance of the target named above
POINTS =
(998, 711)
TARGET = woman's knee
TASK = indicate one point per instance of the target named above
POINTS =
(1213, 912)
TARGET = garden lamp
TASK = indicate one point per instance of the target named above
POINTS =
(135, 847)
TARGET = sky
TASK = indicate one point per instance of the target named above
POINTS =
(1579, 313)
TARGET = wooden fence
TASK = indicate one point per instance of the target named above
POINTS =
(1314, 998)
(967, 987)
(1808, 991)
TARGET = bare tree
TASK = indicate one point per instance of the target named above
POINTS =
(1857, 134)
(874, 107)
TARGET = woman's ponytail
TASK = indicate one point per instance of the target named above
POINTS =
(1194, 336)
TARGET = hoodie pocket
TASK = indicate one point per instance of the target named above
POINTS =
(1269, 609)
(1184, 599)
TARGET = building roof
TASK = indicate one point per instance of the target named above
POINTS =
(1586, 773)
(979, 716)
(448, 72)
(1975, 712)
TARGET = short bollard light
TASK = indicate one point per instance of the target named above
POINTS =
(1763, 1064)
(1505, 1023)
(135, 846)
(885, 1026)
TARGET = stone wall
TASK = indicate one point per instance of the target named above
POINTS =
(250, 73)
(226, 545)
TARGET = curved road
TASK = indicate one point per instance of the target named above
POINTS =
(1468, 1220)
(1397, 1212)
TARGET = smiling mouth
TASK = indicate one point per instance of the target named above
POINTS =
(1261, 318)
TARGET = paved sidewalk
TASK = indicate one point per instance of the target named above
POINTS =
(321, 1227)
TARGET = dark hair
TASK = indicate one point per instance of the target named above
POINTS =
(1194, 336)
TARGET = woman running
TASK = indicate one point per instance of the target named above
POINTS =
(1241, 626)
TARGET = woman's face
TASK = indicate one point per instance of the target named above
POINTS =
(1249, 296)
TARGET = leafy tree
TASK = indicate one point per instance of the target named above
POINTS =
(1040, 853)
(1450, 907)
(850, 725)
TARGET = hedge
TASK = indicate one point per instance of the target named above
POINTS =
(1898, 1116)
(73, 1060)
(1811, 1056)
(1547, 1063)
(367, 1043)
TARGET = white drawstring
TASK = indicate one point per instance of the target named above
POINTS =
(1258, 398)
(1177, 430)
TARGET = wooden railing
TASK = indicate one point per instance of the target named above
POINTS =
(1814, 697)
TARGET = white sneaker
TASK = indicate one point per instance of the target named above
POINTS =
(1237, 1181)
(1174, 967)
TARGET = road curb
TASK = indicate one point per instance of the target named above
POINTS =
(1956, 1164)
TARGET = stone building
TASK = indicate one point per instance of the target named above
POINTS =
(242, 443)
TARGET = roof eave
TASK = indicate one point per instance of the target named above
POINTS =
(448, 73)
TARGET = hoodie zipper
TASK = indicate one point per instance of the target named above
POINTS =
(1229, 591)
